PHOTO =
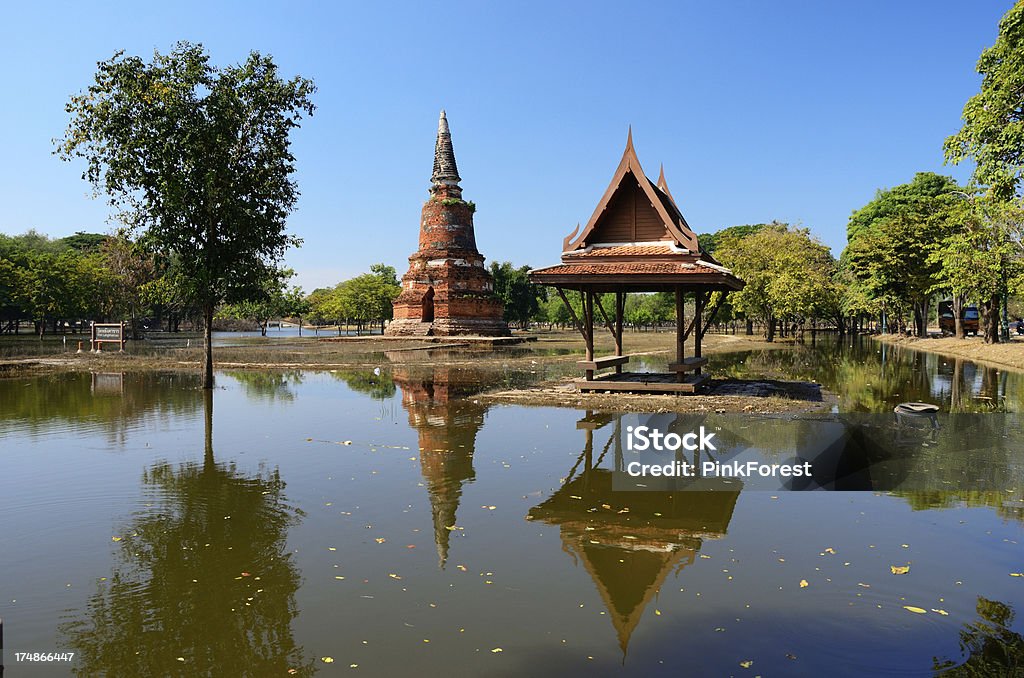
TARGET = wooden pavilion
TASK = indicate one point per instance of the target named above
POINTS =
(638, 241)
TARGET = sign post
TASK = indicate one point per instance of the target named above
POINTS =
(110, 333)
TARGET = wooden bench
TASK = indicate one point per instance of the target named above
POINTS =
(591, 366)
(688, 365)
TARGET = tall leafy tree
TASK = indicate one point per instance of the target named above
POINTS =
(522, 298)
(785, 270)
(890, 240)
(993, 130)
(199, 156)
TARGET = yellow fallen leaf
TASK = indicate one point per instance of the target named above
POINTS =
(915, 610)
(830, 550)
(899, 569)
(116, 538)
(327, 660)
(1017, 574)
(942, 612)
(497, 650)
(657, 612)
(747, 664)
(804, 583)
(380, 540)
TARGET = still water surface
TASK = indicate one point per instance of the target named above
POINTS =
(394, 523)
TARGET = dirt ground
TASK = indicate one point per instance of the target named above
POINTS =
(973, 348)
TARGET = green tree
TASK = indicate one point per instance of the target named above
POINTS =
(131, 266)
(274, 299)
(709, 242)
(200, 157)
(993, 130)
(981, 259)
(522, 298)
(890, 240)
(785, 271)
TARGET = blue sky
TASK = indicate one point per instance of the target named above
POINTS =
(796, 111)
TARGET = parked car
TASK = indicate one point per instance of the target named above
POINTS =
(969, 318)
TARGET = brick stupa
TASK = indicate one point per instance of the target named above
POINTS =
(447, 290)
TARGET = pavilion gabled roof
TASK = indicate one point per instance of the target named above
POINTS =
(634, 204)
(637, 238)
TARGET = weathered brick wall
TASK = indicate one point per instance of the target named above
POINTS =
(447, 262)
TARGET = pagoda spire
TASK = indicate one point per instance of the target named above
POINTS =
(446, 172)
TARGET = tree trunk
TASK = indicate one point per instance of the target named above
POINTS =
(770, 331)
(750, 327)
(991, 310)
(208, 336)
(958, 321)
(921, 319)
(208, 428)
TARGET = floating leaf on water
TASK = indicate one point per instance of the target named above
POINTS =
(327, 660)
(497, 650)
(380, 540)
(747, 664)
(915, 610)
(830, 551)
(899, 569)
(116, 538)
(1017, 574)
(804, 583)
(940, 611)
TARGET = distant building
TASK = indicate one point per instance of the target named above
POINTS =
(447, 289)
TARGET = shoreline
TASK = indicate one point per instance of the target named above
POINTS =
(1008, 356)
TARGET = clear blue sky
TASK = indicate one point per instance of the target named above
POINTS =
(796, 111)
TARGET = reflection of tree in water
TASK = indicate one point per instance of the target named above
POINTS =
(204, 585)
(990, 647)
(870, 376)
(375, 383)
(113, 402)
(630, 541)
(272, 385)
(973, 461)
(448, 421)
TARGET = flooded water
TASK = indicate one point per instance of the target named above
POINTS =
(303, 522)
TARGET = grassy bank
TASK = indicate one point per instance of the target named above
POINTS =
(1009, 355)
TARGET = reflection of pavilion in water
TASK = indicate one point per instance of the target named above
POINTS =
(439, 407)
(629, 541)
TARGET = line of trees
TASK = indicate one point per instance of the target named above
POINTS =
(61, 284)
(363, 301)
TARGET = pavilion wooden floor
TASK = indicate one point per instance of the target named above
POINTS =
(643, 382)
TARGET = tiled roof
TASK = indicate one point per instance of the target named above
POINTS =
(624, 251)
(628, 268)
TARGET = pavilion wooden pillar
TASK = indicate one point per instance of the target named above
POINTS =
(700, 299)
(588, 334)
(620, 304)
(680, 333)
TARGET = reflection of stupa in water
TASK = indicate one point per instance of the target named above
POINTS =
(447, 422)
(633, 540)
